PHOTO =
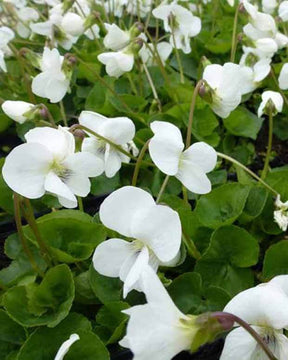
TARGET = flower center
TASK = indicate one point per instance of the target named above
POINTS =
(61, 171)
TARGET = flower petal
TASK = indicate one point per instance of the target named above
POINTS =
(112, 161)
(120, 130)
(85, 163)
(56, 186)
(160, 228)
(201, 154)
(25, 169)
(92, 120)
(193, 178)
(110, 255)
(166, 146)
(118, 209)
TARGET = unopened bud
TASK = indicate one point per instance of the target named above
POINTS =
(225, 320)
(79, 133)
(136, 30)
(242, 9)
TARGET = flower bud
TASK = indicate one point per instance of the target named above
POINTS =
(136, 30)
(205, 92)
(19, 111)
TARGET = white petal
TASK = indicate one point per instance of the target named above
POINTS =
(110, 255)
(264, 305)
(84, 163)
(115, 38)
(160, 228)
(193, 177)
(136, 270)
(69, 204)
(166, 146)
(281, 281)
(16, 110)
(213, 74)
(92, 120)
(112, 160)
(64, 348)
(25, 169)
(56, 186)
(59, 141)
(283, 77)
(239, 345)
(201, 154)
(39, 84)
(119, 130)
(73, 24)
(118, 209)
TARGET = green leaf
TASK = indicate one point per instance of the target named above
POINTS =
(278, 180)
(222, 206)
(255, 203)
(242, 122)
(231, 251)
(44, 304)
(10, 331)
(106, 289)
(276, 260)
(5, 122)
(102, 185)
(96, 98)
(71, 234)
(191, 297)
(83, 290)
(44, 343)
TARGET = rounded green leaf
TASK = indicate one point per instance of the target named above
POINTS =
(222, 206)
(44, 304)
(10, 330)
(276, 260)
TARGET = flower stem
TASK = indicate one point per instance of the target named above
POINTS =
(234, 35)
(17, 213)
(191, 248)
(62, 110)
(49, 115)
(153, 88)
(223, 315)
(250, 172)
(191, 113)
(80, 203)
(138, 163)
(29, 215)
(162, 189)
(269, 147)
(118, 147)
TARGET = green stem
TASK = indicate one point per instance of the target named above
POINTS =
(234, 35)
(250, 172)
(191, 113)
(63, 113)
(21, 235)
(153, 88)
(269, 147)
(49, 115)
(138, 163)
(118, 147)
(80, 203)
(191, 248)
(29, 215)
(162, 189)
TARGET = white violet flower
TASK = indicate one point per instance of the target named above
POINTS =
(273, 100)
(281, 213)
(155, 231)
(16, 110)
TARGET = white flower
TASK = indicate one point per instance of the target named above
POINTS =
(116, 38)
(72, 24)
(157, 330)
(265, 308)
(269, 6)
(16, 110)
(185, 24)
(139, 7)
(274, 98)
(26, 15)
(155, 231)
(283, 10)
(6, 35)
(48, 163)
(231, 2)
(52, 83)
(120, 131)
(189, 166)
(283, 77)
(227, 85)
(64, 348)
(146, 53)
(117, 63)
(281, 213)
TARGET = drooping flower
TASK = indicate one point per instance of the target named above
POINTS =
(26, 15)
(16, 110)
(117, 63)
(52, 82)
(189, 166)
(146, 53)
(281, 213)
(116, 38)
(64, 348)
(269, 6)
(158, 329)
(283, 77)
(271, 101)
(265, 308)
(180, 22)
(120, 131)
(227, 85)
(155, 231)
(48, 163)
(283, 10)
